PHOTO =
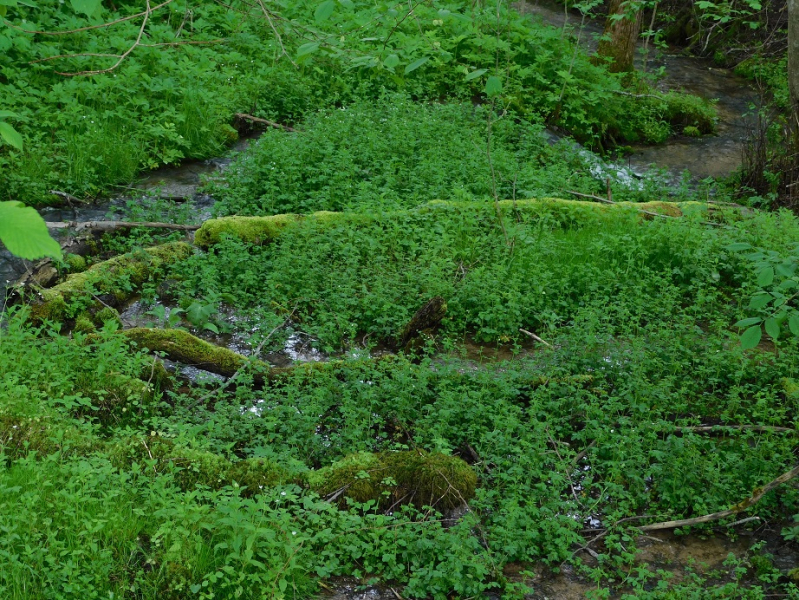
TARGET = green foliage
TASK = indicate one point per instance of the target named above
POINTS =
(396, 153)
(165, 102)
(24, 232)
(774, 301)
(161, 491)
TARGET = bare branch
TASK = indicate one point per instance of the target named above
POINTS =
(740, 507)
(124, 55)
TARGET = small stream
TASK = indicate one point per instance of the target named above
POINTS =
(709, 156)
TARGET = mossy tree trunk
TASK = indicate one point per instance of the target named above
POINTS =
(622, 28)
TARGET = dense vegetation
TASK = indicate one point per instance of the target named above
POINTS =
(583, 375)
(166, 103)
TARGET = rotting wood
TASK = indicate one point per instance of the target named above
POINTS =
(426, 319)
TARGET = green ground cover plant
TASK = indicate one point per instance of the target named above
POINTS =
(175, 96)
(142, 468)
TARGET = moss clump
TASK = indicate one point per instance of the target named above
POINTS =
(193, 467)
(431, 479)
(253, 230)
(262, 230)
(115, 279)
(106, 314)
(75, 263)
(83, 324)
(791, 388)
(392, 478)
(360, 476)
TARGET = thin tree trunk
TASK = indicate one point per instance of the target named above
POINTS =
(790, 175)
(621, 36)
(793, 66)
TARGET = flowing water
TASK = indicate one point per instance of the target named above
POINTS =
(709, 156)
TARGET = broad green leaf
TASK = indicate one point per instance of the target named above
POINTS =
(493, 86)
(391, 61)
(416, 64)
(793, 324)
(24, 233)
(739, 246)
(8, 3)
(772, 328)
(751, 337)
(7, 113)
(86, 7)
(760, 300)
(476, 74)
(10, 135)
(307, 49)
(748, 322)
(765, 277)
(324, 10)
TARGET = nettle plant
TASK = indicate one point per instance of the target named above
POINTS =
(774, 302)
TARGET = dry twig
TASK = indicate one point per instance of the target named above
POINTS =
(535, 337)
(740, 507)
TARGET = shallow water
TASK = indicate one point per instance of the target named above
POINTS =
(710, 156)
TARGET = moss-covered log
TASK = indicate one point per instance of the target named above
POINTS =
(181, 346)
(394, 478)
(261, 230)
(113, 281)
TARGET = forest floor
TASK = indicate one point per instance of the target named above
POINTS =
(406, 349)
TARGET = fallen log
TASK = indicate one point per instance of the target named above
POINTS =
(265, 229)
(107, 226)
(181, 346)
(110, 282)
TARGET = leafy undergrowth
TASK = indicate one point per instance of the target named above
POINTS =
(599, 424)
(175, 95)
(394, 153)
